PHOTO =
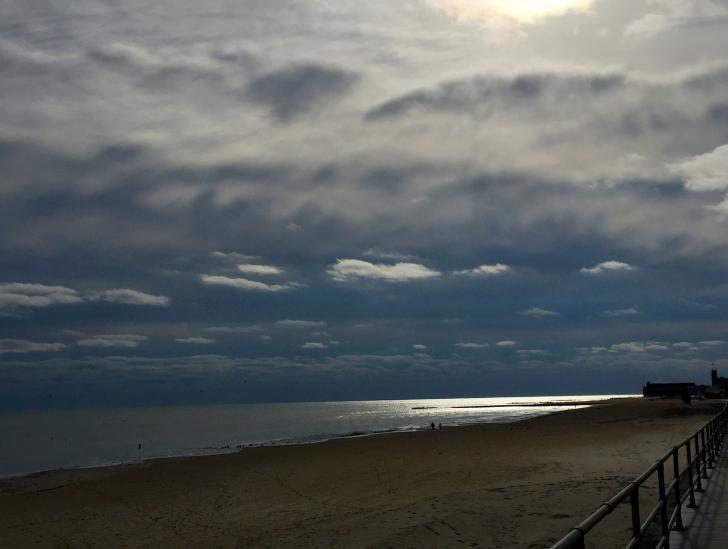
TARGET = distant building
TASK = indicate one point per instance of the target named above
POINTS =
(719, 385)
(717, 381)
(669, 389)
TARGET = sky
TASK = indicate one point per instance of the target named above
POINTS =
(251, 201)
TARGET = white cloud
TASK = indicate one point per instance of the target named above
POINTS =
(22, 346)
(301, 323)
(130, 297)
(468, 345)
(704, 172)
(195, 340)
(711, 343)
(419, 347)
(497, 14)
(263, 270)
(607, 266)
(537, 312)
(128, 341)
(245, 284)
(638, 347)
(665, 14)
(617, 313)
(507, 343)
(18, 294)
(313, 345)
(354, 269)
(485, 270)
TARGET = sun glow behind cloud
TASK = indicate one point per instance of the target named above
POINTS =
(504, 12)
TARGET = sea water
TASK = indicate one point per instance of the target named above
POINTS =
(32, 441)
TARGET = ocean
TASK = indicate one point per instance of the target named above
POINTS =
(33, 441)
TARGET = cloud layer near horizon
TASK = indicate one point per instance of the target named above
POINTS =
(305, 187)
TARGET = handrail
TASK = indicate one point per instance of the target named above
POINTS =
(706, 443)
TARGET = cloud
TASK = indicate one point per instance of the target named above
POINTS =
(354, 269)
(233, 256)
(195, 340)
(491, 95)
(245, 284)
(507, 343)
(531, 352)
(618, 313)
(467, 345)
(234, 329)
(127, 341)
(298, 89)
(18, 295)
(504, 14)
(130, 297)
(21, 295)
(537, 312)
(711, 343)
(485, 270)
(607, 266)
(638, 347)
(301, 323)
(376, 253)
(597, 350)
(666, 14)
(263, 270)
(704, 172)
(313, 345)
(8, 346)
(419, 347)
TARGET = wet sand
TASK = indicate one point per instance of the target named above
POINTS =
(518, 485)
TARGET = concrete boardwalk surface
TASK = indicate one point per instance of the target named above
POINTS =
(707, 525)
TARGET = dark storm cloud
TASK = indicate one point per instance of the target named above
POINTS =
(498, 93)
(146, 201)
(557, 92)
(298, 89)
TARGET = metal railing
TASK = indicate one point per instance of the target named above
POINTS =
(700, 454)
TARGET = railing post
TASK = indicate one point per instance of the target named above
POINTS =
(710, 444)
(691, 488)
(678, 502)
(636, 522)
(663, 503)
(705, 453)
(698, 472)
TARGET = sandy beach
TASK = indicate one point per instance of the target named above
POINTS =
(518, 485)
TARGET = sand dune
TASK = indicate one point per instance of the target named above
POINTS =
(512, 485)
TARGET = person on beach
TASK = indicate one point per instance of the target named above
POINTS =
(432, 425)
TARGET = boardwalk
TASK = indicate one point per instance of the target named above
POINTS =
(707, 526)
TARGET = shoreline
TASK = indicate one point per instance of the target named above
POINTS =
(327, 437)
(499, 485)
